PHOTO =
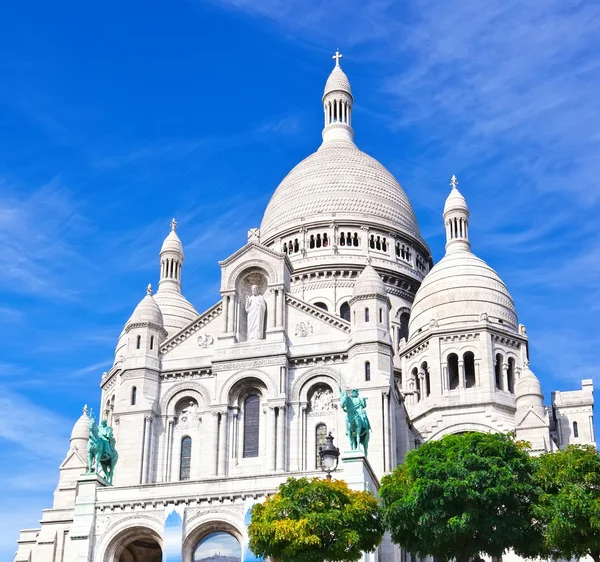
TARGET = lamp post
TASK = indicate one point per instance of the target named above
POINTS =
(330, 455)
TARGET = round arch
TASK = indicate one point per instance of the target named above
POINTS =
(202, 524)
(249, 267)
(118, 536)
(174, 394)
(263, 377)
(463, 428)
(320, 374)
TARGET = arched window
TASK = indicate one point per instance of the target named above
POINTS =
(381, 315)
(366, 314)
(296, 245)
(320, 434)
(342, 239)
(133, 395)
(217, 545)
(403, 332)
(367, 371)
(138, 342)
(355, 240)
(469, 360)
(312, 241)
(378, 243)
(510, 379)
(318, 240)
(415, 377)
(575, 430)
(185, 461)
(321, 305)
(498, 371)
(345, 311)
(384, 245)
(452, 371)
(372, 241)
(251, 425)
(325, 241)
(151, 342)
(285, 248)
(425, 371)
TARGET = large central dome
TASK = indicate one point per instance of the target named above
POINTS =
(338, 179)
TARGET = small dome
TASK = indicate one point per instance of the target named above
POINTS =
(458, 291)
(369, 283)
(147, 311)
(80, 431)
(337, 82)
(172, 243)
(177, 311)
(455, 202)
(528, 390)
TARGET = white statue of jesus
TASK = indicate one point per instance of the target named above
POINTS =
(255, 309)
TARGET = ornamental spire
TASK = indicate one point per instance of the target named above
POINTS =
(173, 225)
(149, 290)
(453, 183)
(337, 105)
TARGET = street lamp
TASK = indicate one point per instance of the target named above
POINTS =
(330, 455)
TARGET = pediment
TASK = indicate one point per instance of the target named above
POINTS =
(197, 329)
(531, 419)
(73, 460)
(306, 320)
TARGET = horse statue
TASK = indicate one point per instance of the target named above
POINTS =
(101, 449)
(357, 423)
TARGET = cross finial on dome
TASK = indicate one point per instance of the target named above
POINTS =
(337, 57)
(149, 289)
(173, 224)
(85, 410)
(453, 182)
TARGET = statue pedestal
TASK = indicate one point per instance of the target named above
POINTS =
(358, 472)
(81, 533)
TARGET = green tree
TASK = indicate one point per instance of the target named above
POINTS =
(461, 496)
(312, 520)
(568, 505)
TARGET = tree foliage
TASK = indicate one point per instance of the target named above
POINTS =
(461, 496)
(312, 520)
(568, 505)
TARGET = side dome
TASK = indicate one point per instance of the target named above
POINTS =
(458, 290)
(177, 311)
(341, 180)
(146, 312)
(528, 390)
(80, 433)
(337, 82)
(369, 282)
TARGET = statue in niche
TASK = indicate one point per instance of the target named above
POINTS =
(256, 308)
(321, 401)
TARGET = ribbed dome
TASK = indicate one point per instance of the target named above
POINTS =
(337, 81)
(172, 243)
(457, 291)
(177, 311)
(369, 283)
(80, 433)
(455, 202)
(528, 390)
(340, 179)
(147, 311)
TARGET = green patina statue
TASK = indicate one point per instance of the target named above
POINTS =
(357, 423)
(101, 449)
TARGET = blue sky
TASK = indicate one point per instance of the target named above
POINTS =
(116, 116)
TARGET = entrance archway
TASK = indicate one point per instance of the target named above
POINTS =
(136, 544)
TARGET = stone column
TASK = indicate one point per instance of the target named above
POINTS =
(422, 386)
(233, 445)
(215, 443)
(300, 428)
(226, 313)
(271, 437)
(281, 438)
(147, 446)
(505, 377)
(169, 450)
(461, 374)
(281, 306)
(273, 308)
(222, 442)
(386, 430)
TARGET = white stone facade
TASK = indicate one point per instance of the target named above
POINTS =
(350, 301)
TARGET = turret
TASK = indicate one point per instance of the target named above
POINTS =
(456, 219)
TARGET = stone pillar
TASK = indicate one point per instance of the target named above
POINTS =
(169, 450)
(422, 386)
(233, 431)
(301, 432)
(271, 436)
(147, 457)
(281, 438)
(281, 306)
(215, 443)
(79, 542)
(386, 431)
(226, 313)
(273, 307)
(461, 374)
(222, 442)
(505, 377)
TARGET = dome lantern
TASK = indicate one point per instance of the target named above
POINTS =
(337, 105)
(456, 219)
(171, 260)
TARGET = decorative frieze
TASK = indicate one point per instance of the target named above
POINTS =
(249, 364)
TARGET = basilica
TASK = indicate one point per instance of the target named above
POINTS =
(335, 292)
